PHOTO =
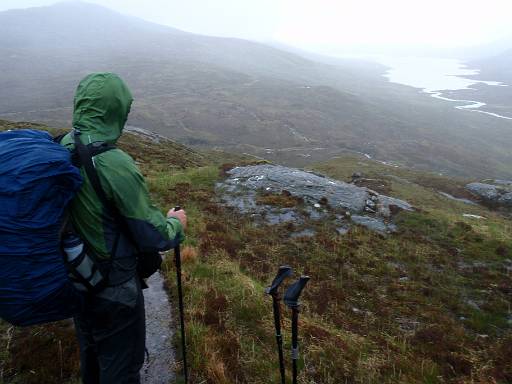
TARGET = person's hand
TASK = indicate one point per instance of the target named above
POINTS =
(181, 215)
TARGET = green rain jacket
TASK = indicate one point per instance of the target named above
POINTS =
(101, 106)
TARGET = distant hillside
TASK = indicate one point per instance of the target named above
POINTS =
(236, 94)
(498, 67)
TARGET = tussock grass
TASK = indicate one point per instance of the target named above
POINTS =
(396, 309)
(429, 304)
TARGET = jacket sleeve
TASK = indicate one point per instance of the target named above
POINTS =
(124, 184)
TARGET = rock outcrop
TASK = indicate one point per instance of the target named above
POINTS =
(497, 193)
(317, 198)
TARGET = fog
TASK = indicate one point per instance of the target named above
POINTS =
(326, 25)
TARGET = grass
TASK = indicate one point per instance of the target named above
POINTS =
(429, 304)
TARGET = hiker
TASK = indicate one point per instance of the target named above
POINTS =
(111, 326)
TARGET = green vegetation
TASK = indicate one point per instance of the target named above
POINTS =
(429, 304)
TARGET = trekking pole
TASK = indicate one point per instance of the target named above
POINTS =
(177, 256)
(291, 299)
(273, 290)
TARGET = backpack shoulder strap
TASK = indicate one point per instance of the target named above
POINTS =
(85, 155)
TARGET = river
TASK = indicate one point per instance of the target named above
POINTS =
(438, 76)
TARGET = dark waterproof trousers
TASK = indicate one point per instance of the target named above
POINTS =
(112, 335)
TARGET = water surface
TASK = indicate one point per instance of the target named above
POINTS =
(437, 76)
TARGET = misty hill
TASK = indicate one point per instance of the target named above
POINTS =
(237, 94)
(498, 66)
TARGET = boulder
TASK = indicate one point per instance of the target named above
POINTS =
(484, 191)
(498, 194)
(320, 195)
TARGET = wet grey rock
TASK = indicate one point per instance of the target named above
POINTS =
(391, 202)
(244, 201)
(356, 176)
(303, 233)
(315, 214)
(505, 199)
(311, 187)
(392, 227)
(485, 191)
(503, 182)
(322, 196)
(158, 367)
(491, 194)
(286, 215)
(448, 196)
(342, 230)
(371, 223)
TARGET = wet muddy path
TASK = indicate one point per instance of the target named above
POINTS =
(158, 368)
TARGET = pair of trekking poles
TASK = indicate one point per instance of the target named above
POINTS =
(291, 299)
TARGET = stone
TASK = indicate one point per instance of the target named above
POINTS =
(319, 198)
(485, 191)
(494, 195)
(503, 182)
(342, 230)
(371, 223)
(309, 186)
(505, 199)
(303, 233)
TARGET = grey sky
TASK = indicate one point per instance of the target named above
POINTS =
(309, 23)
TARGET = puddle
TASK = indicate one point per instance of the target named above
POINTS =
(158, 369)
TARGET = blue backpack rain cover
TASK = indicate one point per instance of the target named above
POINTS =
(37, 181)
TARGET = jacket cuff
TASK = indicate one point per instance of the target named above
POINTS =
(177, 228)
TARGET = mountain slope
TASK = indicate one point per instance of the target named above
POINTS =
(429, 303)
(237, 94)
(499, 67)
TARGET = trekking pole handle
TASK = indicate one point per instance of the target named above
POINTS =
(292, 295)
(284, 272)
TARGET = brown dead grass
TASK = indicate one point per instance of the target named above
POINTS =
(45, 354)
(284, 200)
(189, 254)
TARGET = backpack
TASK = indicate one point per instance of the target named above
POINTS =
(37, 181)
(38, 178)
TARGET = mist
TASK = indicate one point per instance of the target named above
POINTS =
(328, 26)
(287, 78)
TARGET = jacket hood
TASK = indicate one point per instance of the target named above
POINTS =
(101, 107)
